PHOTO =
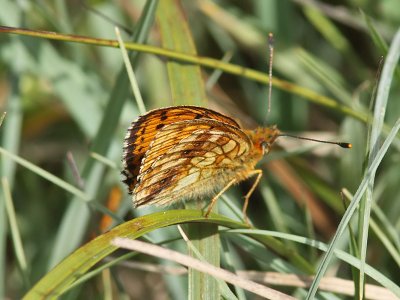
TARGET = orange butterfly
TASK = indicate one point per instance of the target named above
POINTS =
(189, 152)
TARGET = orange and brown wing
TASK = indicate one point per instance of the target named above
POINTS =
(142, 132)
(190, 159)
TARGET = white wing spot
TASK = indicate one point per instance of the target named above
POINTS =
(186, 181)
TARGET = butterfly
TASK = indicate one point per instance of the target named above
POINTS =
(188, 152)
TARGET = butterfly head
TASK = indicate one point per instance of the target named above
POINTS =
(264, 137)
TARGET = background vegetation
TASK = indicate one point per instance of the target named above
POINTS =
(66, 100)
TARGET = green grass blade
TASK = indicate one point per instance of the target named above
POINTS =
(225, 291)
(15, 233)
(10, 129)
(382, 97)
(55, 282)
(250, 74)
(351, 209)
(46, 175)
(344, 256)
(76, 218)
(131, 74)
(203, 267)
(187, 87)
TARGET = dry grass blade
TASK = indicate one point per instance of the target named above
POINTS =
(329, 284)
(200, 266)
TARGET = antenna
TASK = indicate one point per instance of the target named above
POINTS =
(271, 56)
(340, 144)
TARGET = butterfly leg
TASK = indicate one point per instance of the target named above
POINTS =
(214, 200)
(258, 173)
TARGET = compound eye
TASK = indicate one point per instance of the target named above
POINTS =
(265, 145)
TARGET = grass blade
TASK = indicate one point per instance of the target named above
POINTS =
(351, 209)
(76, 217)
(382, 97)
(187, 88)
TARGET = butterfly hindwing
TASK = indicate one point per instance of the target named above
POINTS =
(184, 155)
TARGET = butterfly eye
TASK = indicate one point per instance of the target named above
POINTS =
(265, 145)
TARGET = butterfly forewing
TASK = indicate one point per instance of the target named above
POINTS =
(185, 156)
(143, 131)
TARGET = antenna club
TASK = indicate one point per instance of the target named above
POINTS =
(271, 39)
(346, 145)
(340, 144)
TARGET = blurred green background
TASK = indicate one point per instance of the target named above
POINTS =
(59, 97)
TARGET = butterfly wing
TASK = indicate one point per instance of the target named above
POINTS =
(142, 132)
(190, 159)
